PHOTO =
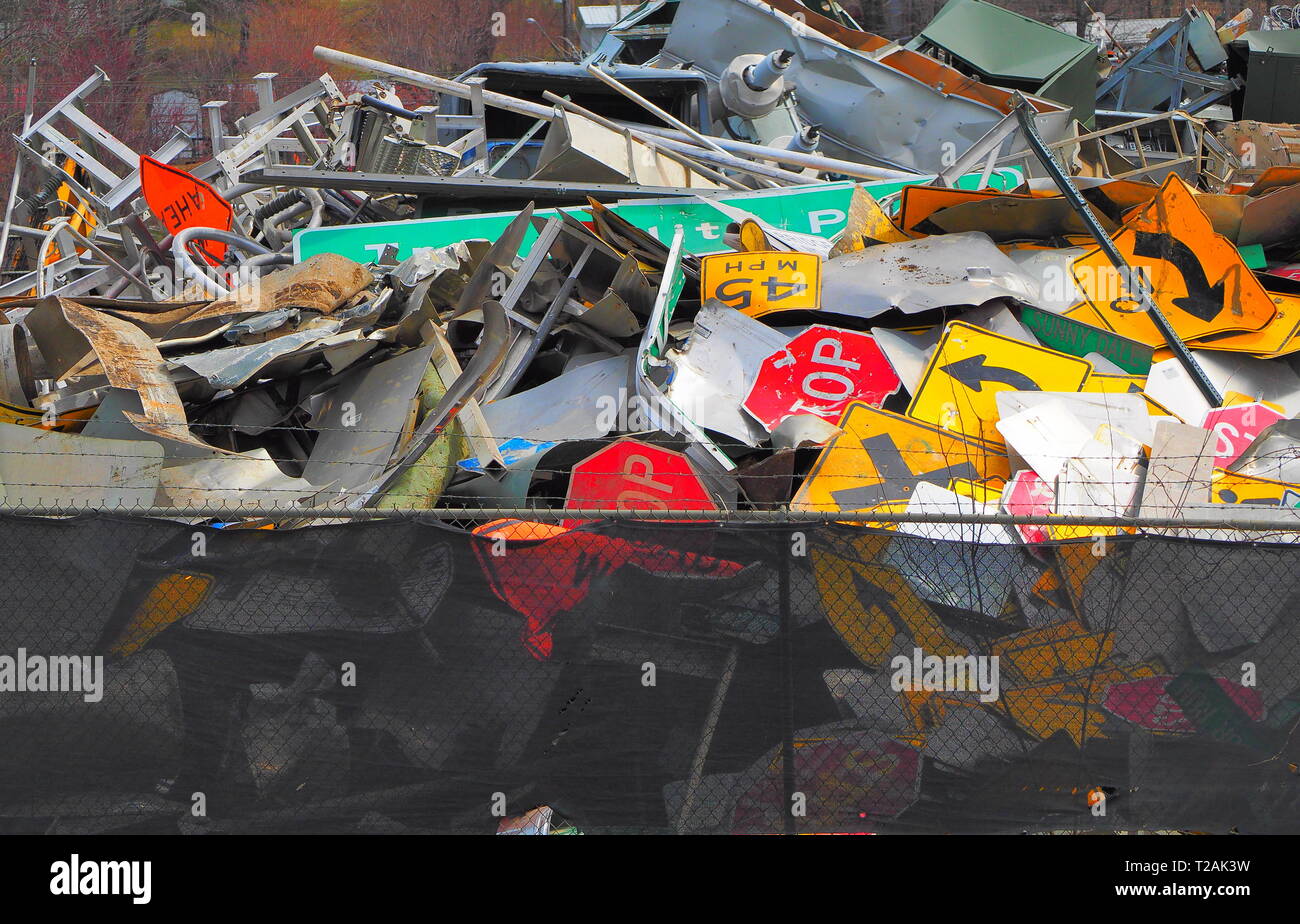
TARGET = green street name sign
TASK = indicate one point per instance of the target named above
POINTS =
(819, 208)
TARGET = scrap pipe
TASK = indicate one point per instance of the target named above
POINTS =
(754, 168)
(271, 235)
(391, 108)
(762, 75)
(818, 162)
(180, 250)
(256, 262)
(536, 111)
(307, 198)
(663, 114)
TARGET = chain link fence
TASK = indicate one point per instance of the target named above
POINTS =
(484, 672)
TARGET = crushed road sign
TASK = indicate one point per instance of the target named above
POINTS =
(820, 372)
(763, 283)
(970, 366)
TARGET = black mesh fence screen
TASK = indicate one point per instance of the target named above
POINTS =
(407, 675)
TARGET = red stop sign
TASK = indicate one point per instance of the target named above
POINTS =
(820, 372)
(632, 475)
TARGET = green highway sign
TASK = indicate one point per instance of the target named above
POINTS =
(1070, 336)
(818, 208)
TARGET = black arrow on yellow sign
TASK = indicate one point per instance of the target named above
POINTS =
(1202, 300)
(973, 373)
(897, 477)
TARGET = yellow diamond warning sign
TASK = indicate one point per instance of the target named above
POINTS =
(958, 390)
(881, 457)
(1196, 277)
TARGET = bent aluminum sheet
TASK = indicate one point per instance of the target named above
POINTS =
(714, 371)
(869, 108)
(1126, 413)
(248, 479)
(132, 361)
(1050, 271)
(934, 272)
(1178, 483)
(362, 418)
(110, 422)
(1170, 385)
(43, 467)
(233, 366)
(1274, 454)
(583, 403)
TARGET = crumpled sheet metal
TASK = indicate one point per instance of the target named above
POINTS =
(232, 366)
(716, 368)
(132, 361)
(899, 109)
(915, 276)
(581, 403)
(628, 348)
(249, 479)
(363, 419)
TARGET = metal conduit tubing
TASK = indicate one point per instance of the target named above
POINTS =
(270, 230)
(536, 111)
(271, 224)
(257, 261)
(391, 108)
(336, 202)
(116, 288)
(240, 189)
(197, 272)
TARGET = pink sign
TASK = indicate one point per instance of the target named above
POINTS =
(1146, 703)
(1027, 495)
(1236, 427)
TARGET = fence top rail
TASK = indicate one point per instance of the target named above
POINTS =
(1278, 520)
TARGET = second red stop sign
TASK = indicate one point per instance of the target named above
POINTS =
(632, 475)
(819, 372)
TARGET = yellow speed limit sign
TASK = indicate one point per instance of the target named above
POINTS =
(763, 282)
(958, 390)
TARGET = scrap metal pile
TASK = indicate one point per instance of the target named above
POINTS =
(746, 256)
